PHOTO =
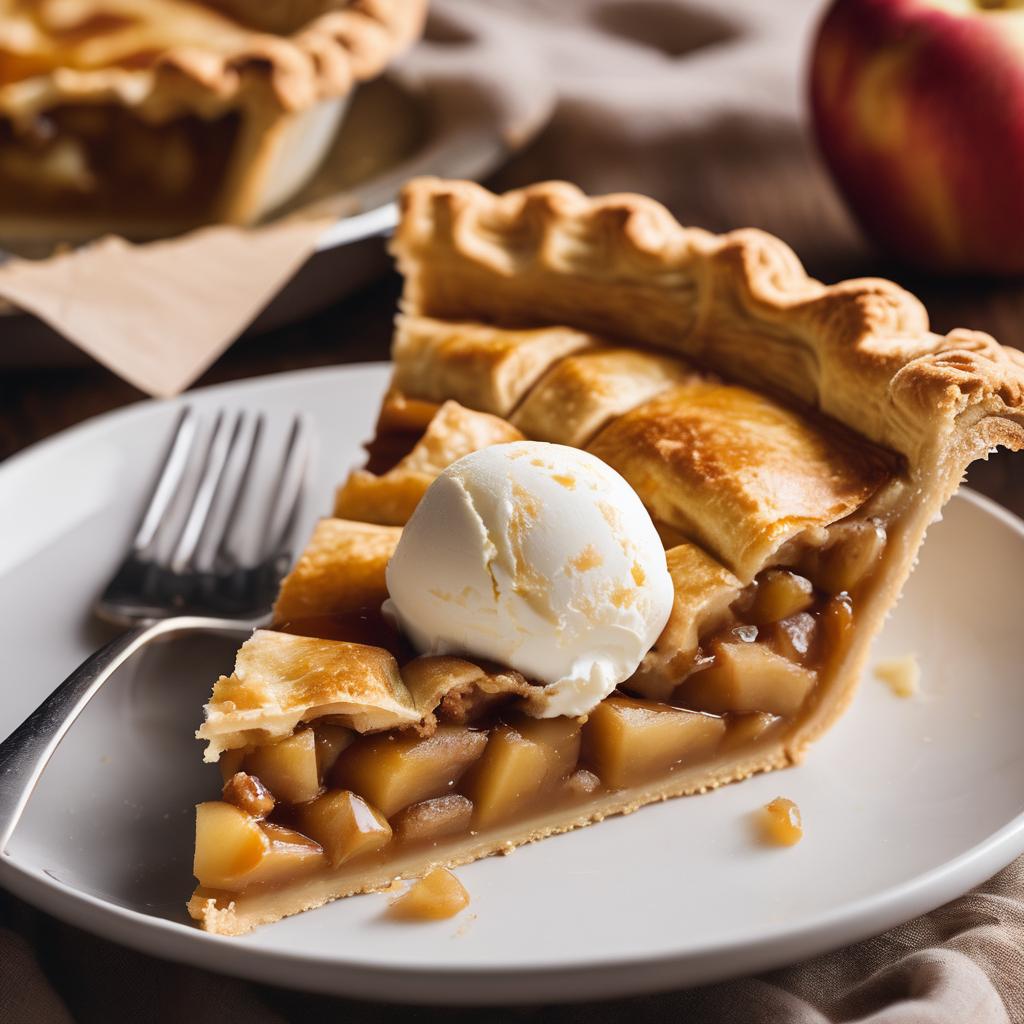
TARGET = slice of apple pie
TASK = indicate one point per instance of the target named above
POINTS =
(639, 499)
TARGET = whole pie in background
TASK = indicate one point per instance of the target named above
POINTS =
(791, 442)
(150, 116)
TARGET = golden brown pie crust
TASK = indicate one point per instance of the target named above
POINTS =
(740, 304)
(490, 368)
(736, 471)
(583, 392)
(390, 497)
(340, 571)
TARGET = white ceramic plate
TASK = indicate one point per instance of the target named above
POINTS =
(907, 803)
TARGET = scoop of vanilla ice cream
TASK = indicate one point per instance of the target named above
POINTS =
(539, 557)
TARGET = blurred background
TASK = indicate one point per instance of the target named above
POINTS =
(876, 138)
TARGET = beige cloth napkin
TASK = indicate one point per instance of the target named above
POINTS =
(699, 105)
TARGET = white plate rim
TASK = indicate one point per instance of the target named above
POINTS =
(489, 986)
(623, 975)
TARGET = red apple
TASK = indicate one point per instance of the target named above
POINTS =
(919, 110)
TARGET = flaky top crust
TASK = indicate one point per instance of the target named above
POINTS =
(390, 498)
(197, 59)
(738, 472)
(741, 304)
(340, 572)
(281, 680)
(480, 366)
(583, 392)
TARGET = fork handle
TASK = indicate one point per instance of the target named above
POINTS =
(26, 752)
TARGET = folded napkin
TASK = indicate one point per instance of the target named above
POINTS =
(159, 314)
(700, 105)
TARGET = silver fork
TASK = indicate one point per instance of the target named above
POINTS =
(177, 577)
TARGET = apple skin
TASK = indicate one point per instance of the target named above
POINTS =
(919, 112)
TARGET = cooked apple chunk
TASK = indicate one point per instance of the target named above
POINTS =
(393, 771)
(793, 638)
(288, 768)
(744, 729)
(627, 741)
(748, 677)
(290, 854)
(779, 594)
(781, 822)
(229, 845)
(510, 774)
(345, 825)
(234, 850)
(435, 896)
(330, 741)
(433, 819)
(835, 626)
(855, 550)
(560, 739)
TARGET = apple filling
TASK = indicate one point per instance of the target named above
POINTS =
(326, 797)
(103, 159)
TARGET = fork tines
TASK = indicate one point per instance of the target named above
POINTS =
(204, 539)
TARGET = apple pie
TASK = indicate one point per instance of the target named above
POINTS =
(151, 115)
(791, 442)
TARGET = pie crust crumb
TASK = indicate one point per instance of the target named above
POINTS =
(901, 675)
